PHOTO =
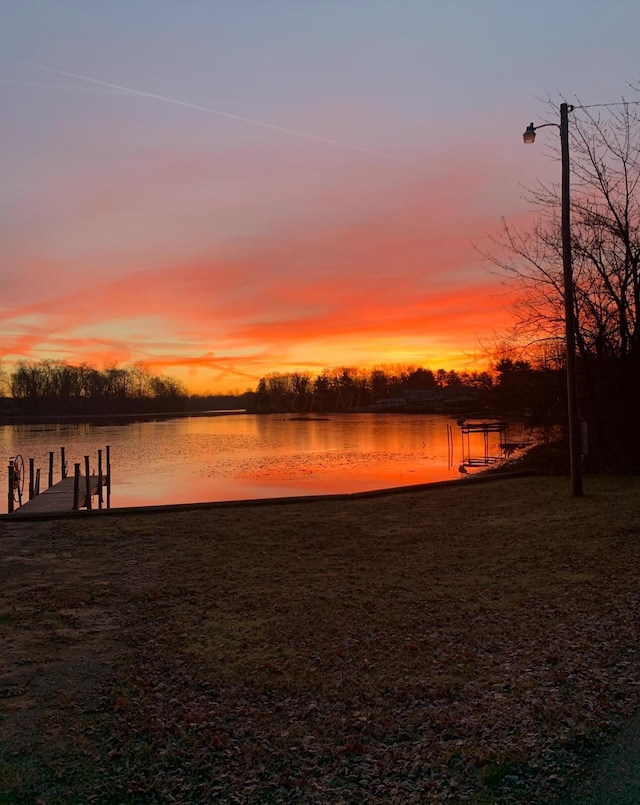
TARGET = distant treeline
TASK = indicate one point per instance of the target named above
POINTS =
(55, 388)
(512, 385)
(536, 389)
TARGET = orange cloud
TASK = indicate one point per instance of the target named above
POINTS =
(376, 262)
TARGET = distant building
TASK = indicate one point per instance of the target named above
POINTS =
(389, 404)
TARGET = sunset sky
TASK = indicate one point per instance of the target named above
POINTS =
(226, 188)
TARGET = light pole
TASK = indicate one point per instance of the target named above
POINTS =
(575, 447)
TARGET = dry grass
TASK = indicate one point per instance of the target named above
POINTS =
(457, 644)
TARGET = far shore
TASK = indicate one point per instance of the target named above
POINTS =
(145, 416)
(102, 419)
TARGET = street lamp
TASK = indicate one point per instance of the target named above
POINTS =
(575, 448)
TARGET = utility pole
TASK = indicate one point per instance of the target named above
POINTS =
(575, 436)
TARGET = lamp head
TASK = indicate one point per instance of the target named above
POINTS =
(530, 134)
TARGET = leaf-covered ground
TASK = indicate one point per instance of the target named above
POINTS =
(461, 644)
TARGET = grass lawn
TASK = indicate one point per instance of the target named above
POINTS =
(467, 643)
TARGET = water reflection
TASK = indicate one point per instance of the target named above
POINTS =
(199, 459)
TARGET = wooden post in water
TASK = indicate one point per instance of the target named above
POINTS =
(108, 477)
(10, 495)
(31, 478)
(76, 486)
(50, 469)
(63, 465)
(99, 479)
(87, 480)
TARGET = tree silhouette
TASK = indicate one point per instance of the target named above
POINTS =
(605, 240)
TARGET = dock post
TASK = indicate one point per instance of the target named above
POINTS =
(50, 469)
(31, 478)
(76, 486)
(63, 465)
(108, 477)
(99, 479)
(36, 490)
(87, 481)
(10, 495)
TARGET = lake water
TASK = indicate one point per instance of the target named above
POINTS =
(242, 456)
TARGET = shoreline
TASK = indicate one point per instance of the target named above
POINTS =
(469, 480)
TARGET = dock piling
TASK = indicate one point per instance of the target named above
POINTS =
(10, 491)
(31, 478)
(100, 479)
(108, 477)
(87, 478)
(76, 487)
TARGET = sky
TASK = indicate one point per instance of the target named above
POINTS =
(222, 189)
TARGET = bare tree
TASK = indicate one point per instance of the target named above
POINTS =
(4, 381)
(605, 240)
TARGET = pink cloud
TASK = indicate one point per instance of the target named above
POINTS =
(375, 254)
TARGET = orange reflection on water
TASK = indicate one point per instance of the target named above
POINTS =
(219, 458)
(247, 457)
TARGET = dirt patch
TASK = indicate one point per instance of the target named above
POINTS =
(458, 644)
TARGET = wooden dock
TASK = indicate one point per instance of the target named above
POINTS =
(60, 497)
(72, 492)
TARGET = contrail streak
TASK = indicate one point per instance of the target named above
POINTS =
(228, 115)
(53, 86)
